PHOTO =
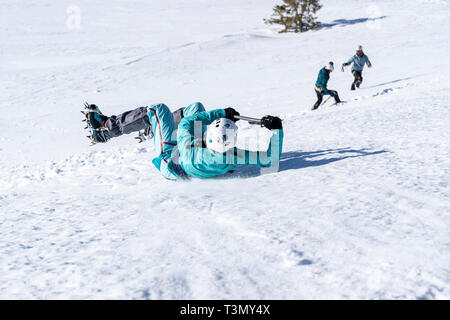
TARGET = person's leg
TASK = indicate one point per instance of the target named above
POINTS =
(336, 96)
(193, 109)
(127, 122)
(358, 78)
(319, 100)
(161, 120)
(165, 139)
(186, 112)
(353, 87)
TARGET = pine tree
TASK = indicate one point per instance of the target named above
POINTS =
(296, 15)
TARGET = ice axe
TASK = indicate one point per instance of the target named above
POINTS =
(325, 101)
(249, 120)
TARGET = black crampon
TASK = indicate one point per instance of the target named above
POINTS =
(95, 121)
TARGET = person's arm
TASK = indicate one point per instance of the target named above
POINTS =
(206, 117)
(190, 134)
(369, 64)
(352, 59)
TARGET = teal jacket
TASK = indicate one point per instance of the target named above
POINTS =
(322, 81)
(198, 161)
(359, 62)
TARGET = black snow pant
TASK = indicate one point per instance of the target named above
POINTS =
(133, 121)
(358, 79)
(320, 98)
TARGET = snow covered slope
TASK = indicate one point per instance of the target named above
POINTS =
(359, 209)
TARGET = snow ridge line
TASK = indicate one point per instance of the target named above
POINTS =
(234, 37)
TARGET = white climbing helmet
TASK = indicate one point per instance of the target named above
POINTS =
(221, 135)
(330, 66)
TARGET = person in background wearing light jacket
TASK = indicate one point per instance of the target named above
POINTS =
(359, 60)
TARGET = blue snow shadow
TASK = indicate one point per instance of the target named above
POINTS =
(390, 82)
(346, 22)
(299, 160)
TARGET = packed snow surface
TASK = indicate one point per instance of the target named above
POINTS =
(358, 210)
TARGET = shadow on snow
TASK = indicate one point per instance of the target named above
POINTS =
(298, 160)
(345, 22)
(390, 82)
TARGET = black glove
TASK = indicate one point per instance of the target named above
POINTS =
(230, 113)
(271, 123)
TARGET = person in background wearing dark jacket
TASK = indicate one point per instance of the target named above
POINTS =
(321, 85)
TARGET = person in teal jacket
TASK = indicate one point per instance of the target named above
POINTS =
(321, 85)
(190, 142)
(359, 60)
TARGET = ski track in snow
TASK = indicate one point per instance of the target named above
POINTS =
(358, 210)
